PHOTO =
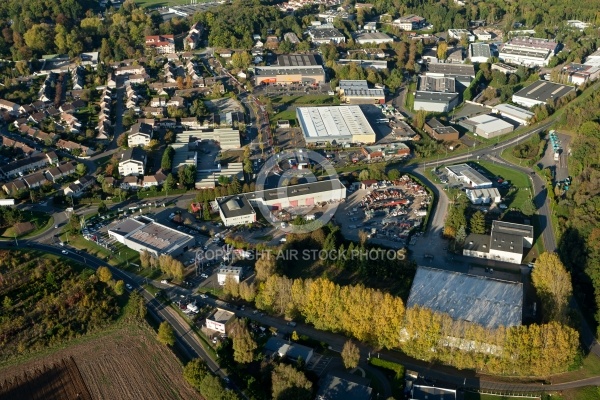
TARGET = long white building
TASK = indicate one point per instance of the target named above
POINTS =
(532, 52)
(336, 125)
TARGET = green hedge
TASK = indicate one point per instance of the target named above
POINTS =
(395, 367)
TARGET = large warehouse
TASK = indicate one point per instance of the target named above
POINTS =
(292, 68)
(487, 126)
(240, 210)
(482, 300)
(144, 233)
(335, 125)
(540, 92)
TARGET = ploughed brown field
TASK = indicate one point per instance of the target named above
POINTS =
(127, 363)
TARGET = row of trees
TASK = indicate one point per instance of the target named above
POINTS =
(197, 374)
(167, 264)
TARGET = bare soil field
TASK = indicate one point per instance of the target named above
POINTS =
(127, 363)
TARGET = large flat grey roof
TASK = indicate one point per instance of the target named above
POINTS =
(235, 206)
(297, 60)
(152, 235)
(480, 50)
(342, 386)
(482, 300)
(289, 70)
(330, 122)
(435, 97)
(452, 69)
(295, 190)
(544, 90)
(468, 172)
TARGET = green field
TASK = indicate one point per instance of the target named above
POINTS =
(521, 185)
(482, 396)
(306, 99)
(42, 221)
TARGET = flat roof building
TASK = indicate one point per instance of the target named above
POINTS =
(513, 113)
(487, 126)
(421, 392)
(483, 196)
(372, 37)
(358, 92)
(335, 125)
(540, 92)
(292, 68)
(220, 320)
(144, 233)
(344, 386)
(236, 210)
(528, 51)
(290, 350)
(506, 243)
(375, 64)
(229, 271)
(324, 34)
(439, 131)
(468, 175)
(479, 52)
(482, 300)
(435, 101)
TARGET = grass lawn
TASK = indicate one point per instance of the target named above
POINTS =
(307, 99)
(482, 396)
(410, 97)
(42, 221)
(583, 393)
(287, 114)
(521, 185)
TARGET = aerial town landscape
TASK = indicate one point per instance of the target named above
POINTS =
(305, 199)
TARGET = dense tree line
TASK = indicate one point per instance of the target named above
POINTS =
(46, 301)
(579, 223)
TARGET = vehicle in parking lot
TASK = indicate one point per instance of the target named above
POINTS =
(164, 281)
(203, 276)
(203, 296)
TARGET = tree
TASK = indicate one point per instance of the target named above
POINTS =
(231, 287)
(81, 169)
(393, 175)
(289, 383)
(206, 211)
(442, 49)
(265, 267)
(167, 159)
(166, 335)
(170, 182)
(39, 38)
(461, 235)
(528, 208)
(102, 208)
(195, 371)
(145, 258)
(477, 223)
(122, 140)
(363, 175)
(247, 291)
(119, 287)
(243, 344)
(187, 176)
(211, 388)
(552, 283)
(350, 355)
(104, 274)
(152, 145)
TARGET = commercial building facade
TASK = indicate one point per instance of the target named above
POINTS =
(541, 92)
(533, 52)
(358, 92)
(513, 113)
(439, 131)
(220, 320)
(293, 68)
(487, 126)
(236, 210)
(468, 175)
(507, 242)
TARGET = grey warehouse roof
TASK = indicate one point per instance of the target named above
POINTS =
(235, 206)
(435, 97)
(332, 122)
(465, 170)
(544, 90)
(481, 50)
(295, 190)
(452, 69)
(297, 60)
(482, 300)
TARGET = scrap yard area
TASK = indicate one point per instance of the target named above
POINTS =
(126, 363)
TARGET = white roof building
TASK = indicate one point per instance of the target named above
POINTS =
(483, 196)
(479, 52)
(487, 126)
(468, 175)
(514, 113)
(340, 124)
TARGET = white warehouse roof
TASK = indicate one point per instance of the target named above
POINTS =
(479, 299)
(488, 123)
(331, 123)
(513, 111)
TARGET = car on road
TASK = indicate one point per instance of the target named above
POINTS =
(164, 281)
(65, 252)
(128, 286)
(55, 226)
(203, 276)
(203, 296)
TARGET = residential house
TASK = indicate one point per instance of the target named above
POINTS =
(71, 121)
(130, 183)
(72, 146)
(285, 349)
(192, 39)
(139, 135)
(35, 180)
(56, 173)
(38, 117)
(154, 180)
(163, 44)
(13, 187)
(133, 162)
(78, 187)
(10, 107)
(14, 144)
(130, 70)
(19, 167)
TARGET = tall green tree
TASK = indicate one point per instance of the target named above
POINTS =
(195, 371)
(289, 383)
(552, 283)
(477, 223)
(166, 335)
(243, 343)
